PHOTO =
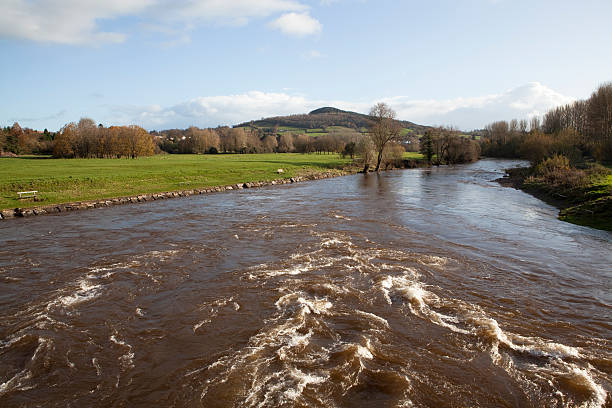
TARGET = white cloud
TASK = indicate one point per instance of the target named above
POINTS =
(226, 12)
(64, 21)
(532, 99)
(312, 54)
(77, 21)
(297, 24)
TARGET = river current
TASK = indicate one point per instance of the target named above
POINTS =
(415, 288)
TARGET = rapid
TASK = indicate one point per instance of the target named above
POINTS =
(416, 288)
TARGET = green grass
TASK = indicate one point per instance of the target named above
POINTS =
(413, 156)
(68, 180)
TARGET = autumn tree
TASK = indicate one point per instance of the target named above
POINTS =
(285, 143)
(137, 142)
(393, 155)
(383, 130)
(269, 143)
(366, 153)
(63, 142)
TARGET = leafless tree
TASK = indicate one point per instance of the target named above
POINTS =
(383, 130)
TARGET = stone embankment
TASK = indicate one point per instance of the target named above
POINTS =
(141, 198)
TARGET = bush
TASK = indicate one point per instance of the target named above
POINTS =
(556, 171)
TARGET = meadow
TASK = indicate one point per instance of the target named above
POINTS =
(69, 180)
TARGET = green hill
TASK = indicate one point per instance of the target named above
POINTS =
(322, 120)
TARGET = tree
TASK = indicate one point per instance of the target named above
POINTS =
(427, 148)
(383, 130)
(349, 150)
(62, 145)
(285, 143)
(599, 113)
(12, 138)
(365, 151)
(269, 143)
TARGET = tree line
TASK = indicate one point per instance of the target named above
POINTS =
(15, 140)
(84, 139)
(253, 140)
(578, 131)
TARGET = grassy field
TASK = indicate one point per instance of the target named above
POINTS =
(68, 180)
(413, 156)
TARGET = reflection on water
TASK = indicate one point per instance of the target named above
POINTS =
(427, 287)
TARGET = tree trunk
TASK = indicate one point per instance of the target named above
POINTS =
(378, 161)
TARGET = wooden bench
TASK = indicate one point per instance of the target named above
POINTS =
(27, 194)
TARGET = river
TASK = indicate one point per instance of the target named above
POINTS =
(415, 288)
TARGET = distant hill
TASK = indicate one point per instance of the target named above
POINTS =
(320, 119)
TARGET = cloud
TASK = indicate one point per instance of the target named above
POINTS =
(78, 21)
(235, 12)
(529, 100)
(532, 99)
(312, 54)
(65, 21)
(57, 115)
(297, 24)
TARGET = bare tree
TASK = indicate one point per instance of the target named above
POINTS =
(384, 129)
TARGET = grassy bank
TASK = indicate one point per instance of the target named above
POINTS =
(69, 180)
(587, 201)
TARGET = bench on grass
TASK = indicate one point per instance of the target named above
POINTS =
(27, 194)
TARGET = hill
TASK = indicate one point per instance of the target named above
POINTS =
(319, 120)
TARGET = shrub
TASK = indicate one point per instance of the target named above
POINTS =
(556, 171)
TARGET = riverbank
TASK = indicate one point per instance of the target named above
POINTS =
(61, 181)
(141, 198)
(76, 184)
(589, 205)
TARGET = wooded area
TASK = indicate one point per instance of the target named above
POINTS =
(580, 131)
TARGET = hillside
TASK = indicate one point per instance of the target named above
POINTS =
(321, 119)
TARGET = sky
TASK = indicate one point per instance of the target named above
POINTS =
(167, 64)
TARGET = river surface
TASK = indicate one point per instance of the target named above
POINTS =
(415, 288)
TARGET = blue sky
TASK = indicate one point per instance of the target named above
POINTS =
(163, 63)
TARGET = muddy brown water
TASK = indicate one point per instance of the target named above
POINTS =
(424, 288)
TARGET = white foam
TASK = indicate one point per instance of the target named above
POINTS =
(584, 379)
(200, 324)
(433, 260)
(364, 352)
(374, 317)
(127, 359)
(316, 306)
(15, 382)
(94, 362)
(303, 380)
(535, 346)
(334, 241)
(87, 291)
